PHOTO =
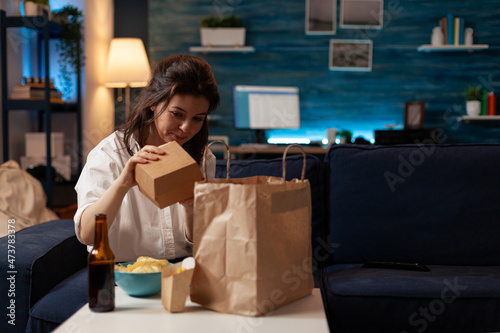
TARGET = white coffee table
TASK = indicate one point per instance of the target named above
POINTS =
(134, 314)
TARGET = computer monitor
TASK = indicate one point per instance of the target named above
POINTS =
(266, 107)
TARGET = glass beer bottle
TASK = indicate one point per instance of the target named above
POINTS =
(101, 269)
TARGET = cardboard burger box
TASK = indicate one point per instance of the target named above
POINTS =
(169, 179)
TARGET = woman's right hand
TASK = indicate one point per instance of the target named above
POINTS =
(146, 154)
(109, 203)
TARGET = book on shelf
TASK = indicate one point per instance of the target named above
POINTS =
(35, 91)
(491, 100)
(461, 31)
(484, 102)
(443, 23)
(456, 30)
(450, 29)
(453, 29)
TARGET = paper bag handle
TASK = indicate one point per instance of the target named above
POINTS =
(204, 165)
(302, 176)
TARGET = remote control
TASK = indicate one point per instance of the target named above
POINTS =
(397, 265)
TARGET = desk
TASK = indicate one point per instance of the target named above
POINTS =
(146, 314)
(401, 137)
(268, 149)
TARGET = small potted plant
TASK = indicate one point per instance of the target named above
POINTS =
(345, 136)
(473, 96)
(36, 7)
(217, 31)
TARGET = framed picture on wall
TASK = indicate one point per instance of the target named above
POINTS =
(361, 14)
(321, 17)
(351, 55)
(414, 115)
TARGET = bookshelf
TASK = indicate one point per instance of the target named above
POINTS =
(45, 30)
(452, 35)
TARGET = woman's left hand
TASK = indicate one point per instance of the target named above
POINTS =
(188, 203)
(188, 227)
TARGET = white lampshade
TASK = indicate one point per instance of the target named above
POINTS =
(128, 63)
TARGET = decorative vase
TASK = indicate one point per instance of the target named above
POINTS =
(36, 9)
(473, 108)
(331, 134)
(8, 6)
(222, 36)
(437, 38)
(468, 36)
(17, 8)
(30, 8)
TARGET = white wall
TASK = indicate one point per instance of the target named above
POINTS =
(98, 105)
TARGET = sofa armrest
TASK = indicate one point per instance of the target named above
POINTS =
(44, 255)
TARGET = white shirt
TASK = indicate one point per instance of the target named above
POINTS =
(140, 227)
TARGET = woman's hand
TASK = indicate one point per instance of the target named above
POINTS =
(110, 202)
(143, 156)
(188, 226)
(188, 203)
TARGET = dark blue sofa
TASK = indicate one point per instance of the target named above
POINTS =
(434, 205)
(437, 205)
(49, 277)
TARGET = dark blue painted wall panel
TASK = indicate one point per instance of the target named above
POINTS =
(358, 101)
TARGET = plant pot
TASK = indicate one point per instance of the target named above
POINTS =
(35, 9)
(30, 8)
(222, 36)
(473, 108)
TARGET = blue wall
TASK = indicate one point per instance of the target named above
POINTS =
(358, 101)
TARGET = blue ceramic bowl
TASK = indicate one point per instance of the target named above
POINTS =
(139, 284)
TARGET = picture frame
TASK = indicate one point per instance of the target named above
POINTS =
(361, 14)
(414, 115)
(321, 17)
(351, 55)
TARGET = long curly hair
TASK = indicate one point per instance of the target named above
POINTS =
(177, 74)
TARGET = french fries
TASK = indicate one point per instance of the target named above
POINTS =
(143, 264)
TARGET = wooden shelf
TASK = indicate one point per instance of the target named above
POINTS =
(240, 49)
(452, 48)
(34, 23)
(482, 119)
(26, 104)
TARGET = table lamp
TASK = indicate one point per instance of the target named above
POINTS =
(127, 66)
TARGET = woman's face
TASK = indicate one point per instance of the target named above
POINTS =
(181, 119)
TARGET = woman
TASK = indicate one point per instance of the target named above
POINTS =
(173, 107)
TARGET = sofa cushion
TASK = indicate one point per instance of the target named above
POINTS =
(433, 204)
(60, 303)
(445, 299)
(466, 281)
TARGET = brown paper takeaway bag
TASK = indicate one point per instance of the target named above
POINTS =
(252, 243)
